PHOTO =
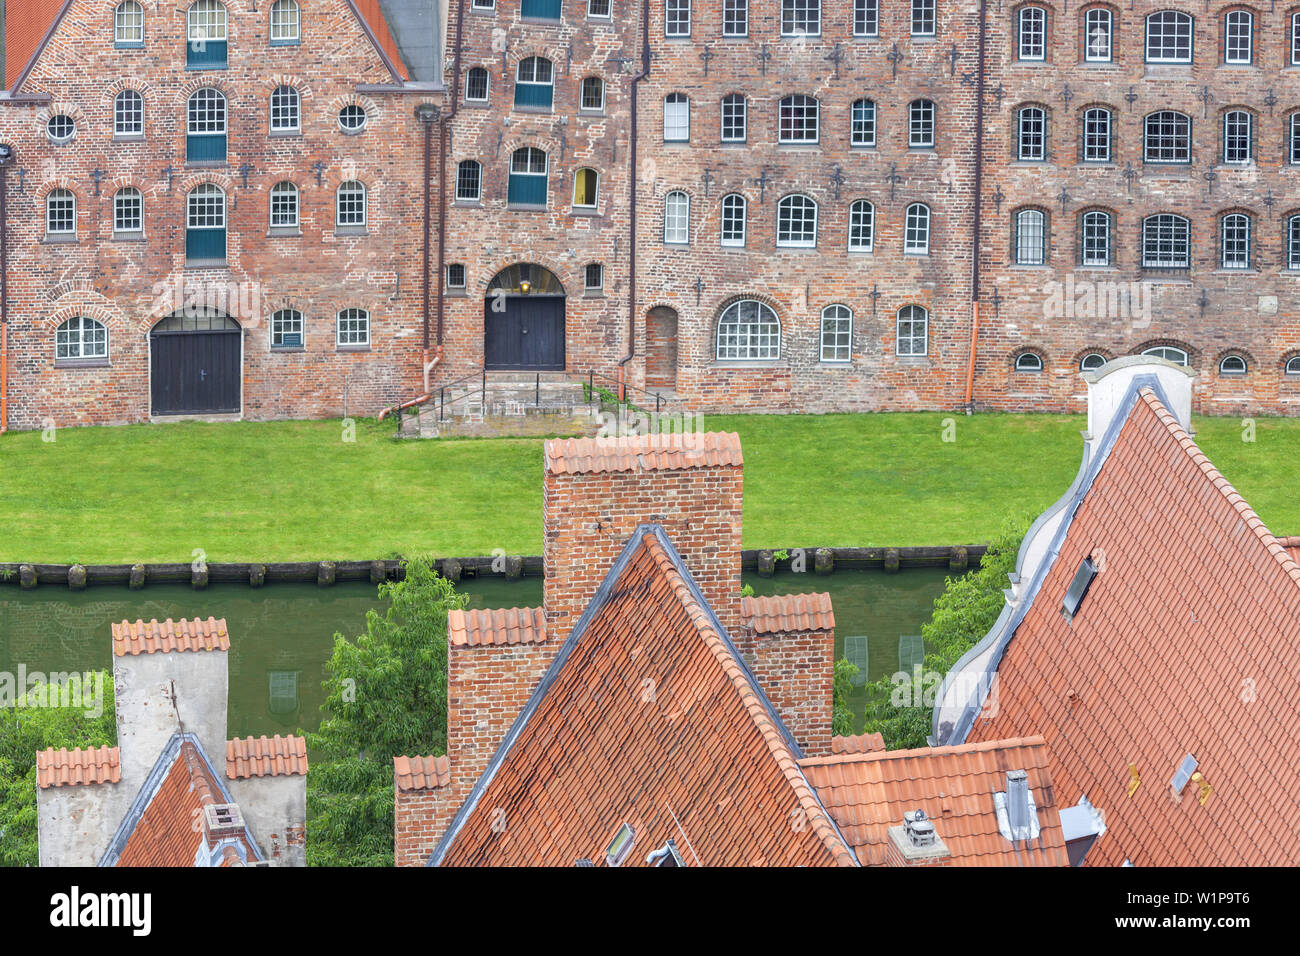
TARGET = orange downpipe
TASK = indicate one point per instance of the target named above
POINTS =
(419, 399)
(970, 371)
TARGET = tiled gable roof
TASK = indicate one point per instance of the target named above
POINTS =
(647, 717)
(867, 793)
(421, 773)
(654, 452)
(516, 625)
(77, 767)
(266, 757)
(787, 613)
(858, 744)
(141, 637)
(26, 26)
(1188, 642)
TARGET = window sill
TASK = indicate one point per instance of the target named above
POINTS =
(525, 207)
(352, 348)
(283, 43)
(1248, 273)
(456, 293)
(205, 67)
(287, 349)
(591, 114)
(206, 264)
(128, 137)
(284, 232)
(206, 164)
(593, 294)
(59, 241)
(476, 104)
(543, 21)
(740, 364)
(835, 363)
(82, 363)
(284, 134)
(133, 235)
(913, 361)
(1029, 267)
(535, 110)
(467, 204)
(585, 212)
(351, 232)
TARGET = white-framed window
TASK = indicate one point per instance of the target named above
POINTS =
(748, 331)
(1031, 237)
(801, 18)
(862, 226)
(920, 124)
(1031, 33)
(798, 119)
(483, 4)
(284, 205)
(1295, 39)
(1094, 238)
(734, 216)
(286, 110)
(677, 218)
(128, 210)
(60, 213)
(600, 9)
(206, 115)
(1234, 241)
(1091, 362)
(205, 20)
(128, 114)
(862, 123)
(1238, 37)
(677, 118)
(796, 221)
(476, 84)
(1031, 134)
(469, 181)
(913, 337)
(535, 83)
(1236, 137)
(1098, 35)
(1293, 140)
(205, 223)
(923, 18)
(352, 118)
(1169, 37)
(735, 118)
(1167, 137)
(286, 329)
(866, 18)
(1232, 365)
(128, 24)
(735, 18)
(592, 94)
(1029, 362)
(1098, 122)
(1293, 242)
(1292, 366)
(593, 277)
(916, 229)
(350, 210)
(353, 328)
(586, 188)
(1169, 353)
(837, 334)
(528, 183)
(1166, 242)
(80, 338)
(60, 128)
(677, 18)
(455, 275)
(286, 23)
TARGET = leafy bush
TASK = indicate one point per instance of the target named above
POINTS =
(842, 686)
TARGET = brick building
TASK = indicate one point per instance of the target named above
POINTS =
(757, 206)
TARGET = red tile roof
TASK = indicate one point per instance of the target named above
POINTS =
(669, 452)
(867, 793)
(1292, 546)
(266, 757)
(516, 625)
(72, 768)
(859, 744)
(26, 25)
(787, 613)
(647, 718)
(1188, 642)
(169, 636)
(421, 773)
(372, 17)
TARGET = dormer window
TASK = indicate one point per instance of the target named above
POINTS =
(620, 846)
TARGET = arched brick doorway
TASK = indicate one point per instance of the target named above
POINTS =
(195, 357)
(661, 348)
(523, 320)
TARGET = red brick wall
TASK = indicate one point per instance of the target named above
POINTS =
(796, 672)
(420, 819)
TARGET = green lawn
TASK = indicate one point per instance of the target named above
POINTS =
(295, 491)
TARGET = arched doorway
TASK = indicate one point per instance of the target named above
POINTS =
(194, 364)
(523, 320)
(661, 348)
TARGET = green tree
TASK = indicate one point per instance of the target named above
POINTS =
(841, 687)
(385, 696)
(23, 732)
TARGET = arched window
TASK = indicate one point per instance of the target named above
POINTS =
(1166, 242)
(1236, 137)
(350, 210)
(286, 111)
(128, 211)
(1292, 366)
(128, 114)
(1031, 33)
(862, 226)
(534, 83)
(1234, 241)
(1167, 137)
(735, 119)
(1238, 37)
(476, 84)
(1098, 126)
(206, 127)
(205, 224)
(1031, 134)
(1169, 353)
(205, 33)
(677, 118)
(352, 118)
(1098, 35)
(734, 214)
(593, 94)
(1232, 365)
(60, 214)
(837, 333)
(1031, 237)
(80, 338)
(1295, 39)
(1094, 238)
(798, 119)
(286, 329)
(1169, 37)
(284, 206)
(586, 185)
(527, 184)
(913, 331)
(1091, 361)
(862, 131)
(748, 331)
(796, 221)
(916, 229)
(1293, 242)
(677, 218)
(801, 18)
(469, 181)
(353, 329)
(920, 124)
(286, 23)
(128, 25)
(1029, 362)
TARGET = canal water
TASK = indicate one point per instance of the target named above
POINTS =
(282, 635)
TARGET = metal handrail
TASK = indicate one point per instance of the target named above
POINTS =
(658, 396)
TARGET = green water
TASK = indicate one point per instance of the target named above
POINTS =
(281, 635)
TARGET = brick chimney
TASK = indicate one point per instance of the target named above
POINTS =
(789, 644)
(598, 490)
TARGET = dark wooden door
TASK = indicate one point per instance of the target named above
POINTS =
(195, 373)
(527, 335)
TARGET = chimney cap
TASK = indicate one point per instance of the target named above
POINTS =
(222, 821)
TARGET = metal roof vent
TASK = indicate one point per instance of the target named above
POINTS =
(584, 862)
(666, 855)
(1078, 588)
(620, 846)
(916, 840)
(1016, 811)
(222, 820)
(919, 829)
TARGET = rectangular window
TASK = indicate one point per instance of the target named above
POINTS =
(354, 327)
(862, 226)
(1236, 242)
(128, 25)
(286, 329)
(863, 132)
(735, 18)
(798, 120)
(1295, 39)
(913, 331)
(128, 114)
(586, 182)
(61, 213)
(1097, 35)
(476, 84)
(1031, 238)
(1032, 135)
(469, 181)
(540, 9)
(734, 124)
(1168, 138)
(1165, 242)
(284, 206)
(677, 214)
(205, 33)
(801, 18)
(920, 131)
(284, 23)
(455, 275)
(677, 18)
(1096, 239)
(484, 4)
(677, 118)
(923, 18)
(599, 8)
(1236, 137)
(733, 220)
(916, 230)
(1096, 136)
(1293, 243)
(593, 277)
(866, 18)
(128, 211)
(1294, 150)
(351, 205)
(837, 334)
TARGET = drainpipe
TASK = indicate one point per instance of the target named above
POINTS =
(631, 282)
(975, 227)
(6, 157)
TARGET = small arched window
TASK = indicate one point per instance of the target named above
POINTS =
(862, 130)
(1031, 33)
(286, 23)
(1098, 135)
(677, 118)
(1031, 134)
(916, 229)
(353, 329)
(862, 226)
(534, 83)
(798, 119)
(528, 177)
(1292, 366)
(128, 212)
(1098, 35)
(80, 338)
(1234, 241)
(286, 110)
(796, 221)
(350, 211)
(476, 84)
(734, 216)
(837, 334)
(60, 214)
(1091, 361)
(748, 331)
(205, 223)
(469, 181)
(128, 25)
(284, 206)
(1232, 365)
(1238, 37)
(1094, 239)
(586, 183)
(128, 114)
(920, 124)
(205, 33)
(1169, 353)
(1167, 137)
(205, 141)
(1029, 362)
(677, 218)
(1237, 139)
(592, 95)
(735, 119)
(1031, 237)
(913, 331)
(286, 329)
(1166, 242)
